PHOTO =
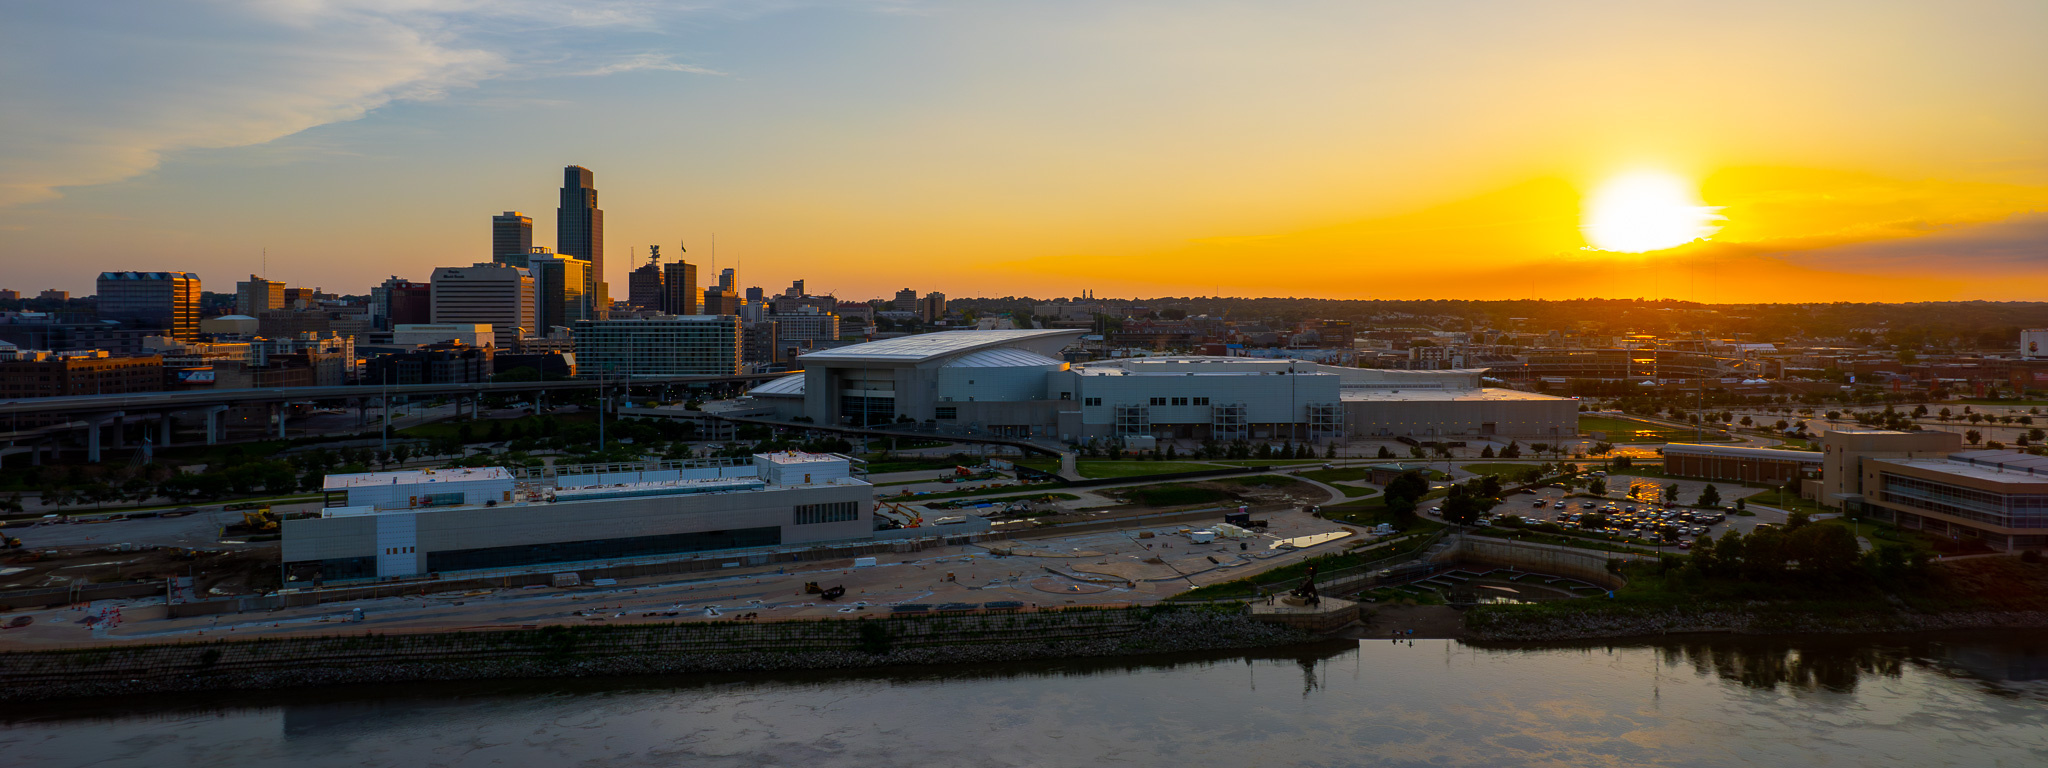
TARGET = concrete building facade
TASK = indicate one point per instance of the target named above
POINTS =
(498, 295)
(398, 524)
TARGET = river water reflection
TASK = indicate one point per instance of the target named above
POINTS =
(1977, 700)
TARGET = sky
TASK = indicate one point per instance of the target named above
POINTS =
(1841, 151)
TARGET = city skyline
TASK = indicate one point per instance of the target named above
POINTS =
(1845, 152)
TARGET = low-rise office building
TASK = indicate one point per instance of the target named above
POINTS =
(396, 524)
(668, 345)
(1771, 466)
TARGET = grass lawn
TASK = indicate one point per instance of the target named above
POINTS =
(1276, 481)
(1099, 469)
(1335, 475)
(1503, 469)
(1633, 431)
(1267, 462)
(1782, 500)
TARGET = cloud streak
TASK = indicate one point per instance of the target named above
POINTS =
(103, 92)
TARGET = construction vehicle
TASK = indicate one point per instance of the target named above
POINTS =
(260, 520)
(831, 593)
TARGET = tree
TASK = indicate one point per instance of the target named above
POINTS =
(1741, 504)
(1826, 552)
(1973, 436)
(1385, 454)
(1764, 555)
(1461, 506)
(1486, 453)
(1404, 492)
(1710, 496)
(1599, 486)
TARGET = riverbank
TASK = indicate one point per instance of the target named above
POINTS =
(1517, 624)
(632, 650)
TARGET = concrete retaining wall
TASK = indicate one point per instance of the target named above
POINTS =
(1583, 564)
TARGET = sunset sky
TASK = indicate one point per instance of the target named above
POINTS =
(1837, 151)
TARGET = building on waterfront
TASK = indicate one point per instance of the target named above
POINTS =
(679, 288)
(1996, 497)
(1015, 383)
(168, 301)
(258, 295)
(28, 373)
(414, 523)
(498, 295)
(511, 238)
(579, 231)
(669, 345)
(1770, 466)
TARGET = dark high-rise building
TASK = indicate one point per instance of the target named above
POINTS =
(644, 284)
(755, 295)
(644, 288)
(679, 288)
(579, 231)
(512, 235)
(401, 302)
(166, 300)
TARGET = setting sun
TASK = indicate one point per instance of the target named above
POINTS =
(1647, 211)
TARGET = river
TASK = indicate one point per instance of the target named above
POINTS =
(1977, 700)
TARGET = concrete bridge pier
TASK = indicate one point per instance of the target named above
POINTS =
(93, 425)
(213, 427)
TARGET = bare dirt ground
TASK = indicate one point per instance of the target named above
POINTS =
(1114, 567)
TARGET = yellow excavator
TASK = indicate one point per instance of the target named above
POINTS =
(260, 520)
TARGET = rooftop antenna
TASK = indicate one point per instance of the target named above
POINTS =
(654, 255)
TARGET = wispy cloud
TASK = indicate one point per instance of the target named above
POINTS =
(102, 92)
(661, 62)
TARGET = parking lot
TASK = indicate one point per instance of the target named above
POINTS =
(1636, 507)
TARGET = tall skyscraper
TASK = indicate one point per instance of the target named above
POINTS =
(579, 230)
(257, 294)
(755, 295)
(498, 294)
(166, 300)
(729, 279)
(906, 300)
(679, 288)
(512, 237)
